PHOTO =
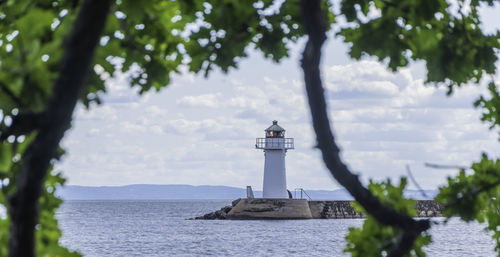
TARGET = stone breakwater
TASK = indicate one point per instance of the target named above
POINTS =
(261, 208)
(344, 209)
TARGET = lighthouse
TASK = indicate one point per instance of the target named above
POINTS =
(275, 146)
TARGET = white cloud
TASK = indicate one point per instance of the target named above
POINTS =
(205, 100)
(94, 132)
(130, 127)
(103, 112)
(364, 79)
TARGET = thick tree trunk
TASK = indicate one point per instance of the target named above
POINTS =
(78, 54)
(314, 23)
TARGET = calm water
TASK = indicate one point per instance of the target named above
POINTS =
(160, 228)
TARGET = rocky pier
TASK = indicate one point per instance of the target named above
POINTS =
(262, 208)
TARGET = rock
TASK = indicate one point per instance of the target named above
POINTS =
(226, 209)
(235, 202)
(333, 210)
(216, 215)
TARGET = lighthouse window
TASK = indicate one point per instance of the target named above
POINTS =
(275, 133)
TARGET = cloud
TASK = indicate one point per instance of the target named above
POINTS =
(93, 132)
(205, 100)
(119, 90)
(102, 112)
(364, 79)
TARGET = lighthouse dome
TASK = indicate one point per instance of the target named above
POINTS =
(275, 130)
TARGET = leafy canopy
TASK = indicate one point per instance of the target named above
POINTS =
(374, 239)
(456, 52)
(150, 40)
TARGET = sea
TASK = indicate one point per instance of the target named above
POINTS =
(162, 228)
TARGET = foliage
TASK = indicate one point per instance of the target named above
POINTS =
(47, 233)
(491, 107)
(31, 35)
(456, 52)
(155, 37)
(374, 239)
(454, 47)
(475, 196)
(150, 40)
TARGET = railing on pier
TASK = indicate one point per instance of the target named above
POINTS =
(302, 193)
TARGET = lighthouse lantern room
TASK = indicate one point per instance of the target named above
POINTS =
(275, 146)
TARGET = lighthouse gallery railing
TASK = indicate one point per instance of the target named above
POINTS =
(274, 143)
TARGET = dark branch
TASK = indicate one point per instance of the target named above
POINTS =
(389, 3)
(404, 245)
(473, 193)
(410, 174)
(449, 167)
(22, 124)
(74, 67)
(314, 23)
(11, 94)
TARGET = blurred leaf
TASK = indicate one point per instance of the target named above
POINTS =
(5, 158)
(374, 239)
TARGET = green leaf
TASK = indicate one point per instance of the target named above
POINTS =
(374, 239)
(34, 24)
(5, 158)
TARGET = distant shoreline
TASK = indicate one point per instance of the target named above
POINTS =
(189, 192)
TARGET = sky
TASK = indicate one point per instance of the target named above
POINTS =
(201, 131)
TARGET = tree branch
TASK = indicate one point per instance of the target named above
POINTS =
(412, 178)
(22, 124)
(439, 166)
(473, 193)
(314, 23)
(405, 244)
(11, 94)
(75, 65)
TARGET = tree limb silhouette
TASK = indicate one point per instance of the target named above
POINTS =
(314, 22)
(78, 54)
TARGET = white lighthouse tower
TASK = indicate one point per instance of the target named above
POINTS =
(275, 146)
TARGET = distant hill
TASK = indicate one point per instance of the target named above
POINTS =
(164, 192)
